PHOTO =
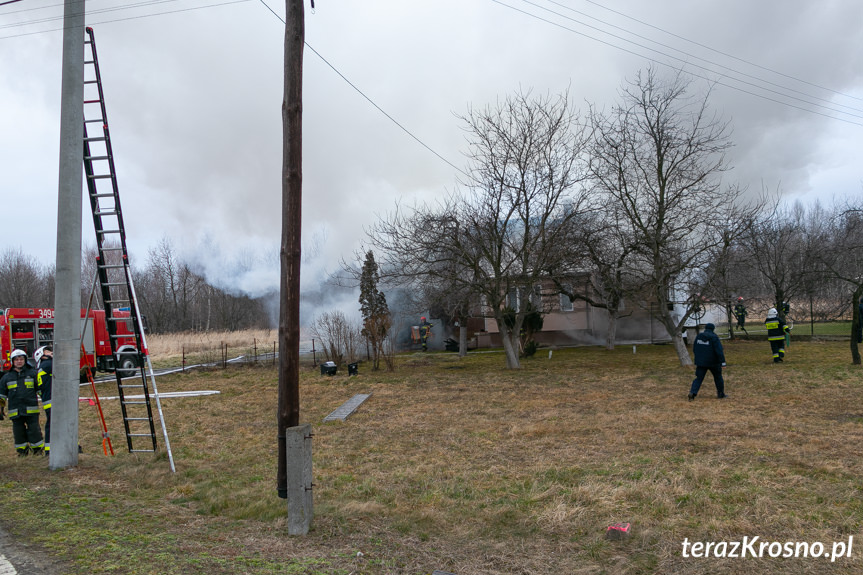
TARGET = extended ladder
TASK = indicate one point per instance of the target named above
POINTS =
(113, 270)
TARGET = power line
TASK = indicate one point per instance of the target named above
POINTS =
(725, 54)
(153, 2)
(681, 60)
(711, 62)
(89, 13)
(713, 80)
(177, 11)
(369, 100)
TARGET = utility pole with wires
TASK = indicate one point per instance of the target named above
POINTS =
(67, 298)
(294, 477)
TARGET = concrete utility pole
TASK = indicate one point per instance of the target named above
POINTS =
(296, 486)
(67, 298)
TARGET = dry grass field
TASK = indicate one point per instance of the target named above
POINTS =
(465, 467)
(200, 346)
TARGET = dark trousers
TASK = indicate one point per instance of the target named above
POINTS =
(701, 371)
(777, 346)
(48, 429)
(26, 432)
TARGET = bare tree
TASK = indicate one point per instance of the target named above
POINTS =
(841, 254)
(22, 281)
(729, 271)
(604, 247)
(501, 234)
(778, 243)
(453, 304)
(339, 336)
(658, 158)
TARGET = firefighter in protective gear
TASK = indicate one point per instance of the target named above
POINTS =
(44, 358)
(18, 389)
(740, 314)
(425, 332)
(776, 330)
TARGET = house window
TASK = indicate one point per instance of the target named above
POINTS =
(536, 297)
(565, 302)
(512, 299)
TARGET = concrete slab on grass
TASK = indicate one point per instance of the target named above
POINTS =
(348, 407)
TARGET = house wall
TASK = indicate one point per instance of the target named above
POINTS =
(584, 325)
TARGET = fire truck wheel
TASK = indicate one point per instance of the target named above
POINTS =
(127, 366)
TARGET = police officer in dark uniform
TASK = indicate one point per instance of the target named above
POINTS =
(709, 356)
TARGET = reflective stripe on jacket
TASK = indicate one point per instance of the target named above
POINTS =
(19, 390)
(775, 328)
(44, 380)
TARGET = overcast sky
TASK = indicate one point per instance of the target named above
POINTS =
(194, 91)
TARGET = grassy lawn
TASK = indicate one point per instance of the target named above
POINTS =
(463, 466)
(756, 329)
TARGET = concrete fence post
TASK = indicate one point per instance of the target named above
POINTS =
(298, 456)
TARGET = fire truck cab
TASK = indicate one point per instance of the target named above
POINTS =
(30, 328)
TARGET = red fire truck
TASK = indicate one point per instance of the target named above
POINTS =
(31, 328)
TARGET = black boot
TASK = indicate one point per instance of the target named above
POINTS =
(24, 452)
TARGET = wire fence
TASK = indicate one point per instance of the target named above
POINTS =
(831, 329)
(256, 352)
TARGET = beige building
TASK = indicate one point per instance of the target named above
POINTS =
(575, 322)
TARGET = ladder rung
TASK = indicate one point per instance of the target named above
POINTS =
(110, 249)
(142, 450)
(96, 139)
(100, 176)
(97, 157)
(92, 101)
(104, 195)
(111, 266)
(91, 81)
(109, 231)
(105, 213)
(93, 121)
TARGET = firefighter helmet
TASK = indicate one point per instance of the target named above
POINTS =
(772, 312)
(37, 355)
(740, 299)
(423, 318)
(18, 352)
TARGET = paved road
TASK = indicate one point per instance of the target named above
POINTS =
(17, 558)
